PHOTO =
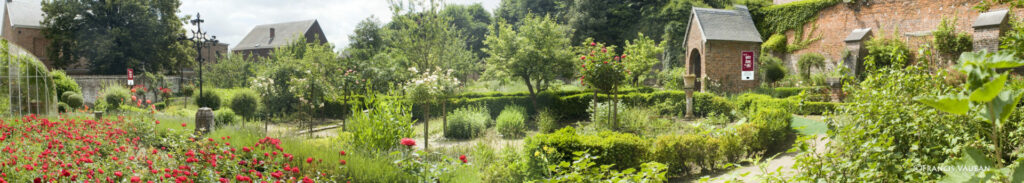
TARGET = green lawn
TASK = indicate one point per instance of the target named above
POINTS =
(806, 126)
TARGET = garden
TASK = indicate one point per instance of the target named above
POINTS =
(436, 96)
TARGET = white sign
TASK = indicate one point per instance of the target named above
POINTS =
(748, 75)
(747, 69)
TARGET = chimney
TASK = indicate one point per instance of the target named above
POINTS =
(271, 33)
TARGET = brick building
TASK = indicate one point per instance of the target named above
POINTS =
(265, 38)
(717, 43)
(21, 27)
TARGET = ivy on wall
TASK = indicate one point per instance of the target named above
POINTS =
(777, 19)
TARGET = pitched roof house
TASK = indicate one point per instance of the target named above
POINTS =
(722, 47)
(265, 38)
(22, 27)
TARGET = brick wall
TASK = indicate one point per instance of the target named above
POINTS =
(912, 20)
(694, 43)
(723, 62)
(986, 39)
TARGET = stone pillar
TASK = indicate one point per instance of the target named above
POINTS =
(688, 86)
(855, 51)
(204, 121)
(987, 29)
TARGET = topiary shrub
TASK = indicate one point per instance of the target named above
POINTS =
(64, 84)
(245, 103)
(771, 128)
(225, 117)
(679, 152)
(160, 105)
(467, 122)
(64, 96)
(772, 69)
(62, 107)
(114, 96)
(511, 123)
(808, 62)
(208, 99)
(75, 101)
(547, 121)
(623, 150)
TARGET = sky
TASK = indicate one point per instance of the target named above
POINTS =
(231, 20)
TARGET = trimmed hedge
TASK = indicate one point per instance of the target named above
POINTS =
(208, 99)
(817, 108)
(750, 102)
(623, 150)
(766, 131)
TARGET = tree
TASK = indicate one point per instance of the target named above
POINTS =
(514, 11)
(601, 68)
(472, 20)
(427, 40)
(366, 41)
(537, 53)
(115, 35)
(640, 56)
(231, 72)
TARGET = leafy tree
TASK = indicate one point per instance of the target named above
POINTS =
(601, 68)
(809, 61)
(366, 41)
(537, 53)
(115, 35)
(513, 11)
(231, 72)
(427, 40)
(948, 41)
(639, 57)
(472, 20)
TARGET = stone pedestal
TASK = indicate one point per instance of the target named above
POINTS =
(688, 86)
(204, 121)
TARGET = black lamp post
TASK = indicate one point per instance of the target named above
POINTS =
(199, 38)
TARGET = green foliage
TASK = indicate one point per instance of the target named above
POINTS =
(808, 62)
(817, 108)
(772, 69)
(537, 51)
(1013, 39)
(62, 107)
(472, 20)
(114, 96)
(672, 78)
(891, 130)
(984, 94)
(547, 121)
(511, 123)
(231, 72)
(75, 101)
(208, 99)
(583, 169)
(64, 84)
(146, 33)
(785, 92)
(600, 67)
(886, 52)
(948, 41)
(601, 114)
(64, 96)
(681, 151)
(639, 56)
(467, 122)
(383, 123)
(772, 126)
(775, 43)
(623, 150)
(245, 104)
(777, 19)
(225, 117)
(426, 38)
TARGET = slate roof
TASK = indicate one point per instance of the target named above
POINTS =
(991, 18)
(727, 25)
(284, 33)
(858, 34)
(25, 13)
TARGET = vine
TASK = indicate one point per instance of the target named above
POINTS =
(791, 16)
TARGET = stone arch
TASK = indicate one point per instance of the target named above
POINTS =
(695, 65)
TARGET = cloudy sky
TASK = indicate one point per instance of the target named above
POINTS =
(231, 20)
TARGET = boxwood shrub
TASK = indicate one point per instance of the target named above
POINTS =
(622, 150)
(511, 122)
(467, 122)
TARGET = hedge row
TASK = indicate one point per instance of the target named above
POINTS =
(767, 131)
(623, 150)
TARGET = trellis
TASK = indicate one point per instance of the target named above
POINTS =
(26, 82)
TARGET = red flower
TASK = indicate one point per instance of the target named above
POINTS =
(136, 179)
(408, 142)
(183, 125)
(309, 160)
(307, 180)
(242, 178)
(463, 158)
(342, 153)
(583, 57)
(224, 180)
(342, 162)
(593, 43)
(118, 173)
(604, 50)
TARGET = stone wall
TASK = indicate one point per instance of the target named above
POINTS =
(911, 20)
(723, 62)
(92, 84)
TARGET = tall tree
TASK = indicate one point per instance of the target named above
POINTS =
(537, 52)
(366, 41)
(515, 10)
(115, 35)
(472, 21)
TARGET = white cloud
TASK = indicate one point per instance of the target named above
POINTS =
(231, 20)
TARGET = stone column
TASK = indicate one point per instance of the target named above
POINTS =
(855, 51)
(688, 86)
(204, 121)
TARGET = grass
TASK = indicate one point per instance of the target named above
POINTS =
(806, 126)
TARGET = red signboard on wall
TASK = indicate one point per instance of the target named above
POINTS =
(131, 77)
(747, 66)
(748, 61)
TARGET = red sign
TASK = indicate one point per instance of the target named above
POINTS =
(748, 61)
(131, 74)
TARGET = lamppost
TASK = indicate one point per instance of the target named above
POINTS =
(199, 38)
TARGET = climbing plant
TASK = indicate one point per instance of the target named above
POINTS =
(775, 19)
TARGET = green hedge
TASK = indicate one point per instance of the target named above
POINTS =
(777, 19)
(817, 108)
(750, 102)
(623, 150)
(766, 131)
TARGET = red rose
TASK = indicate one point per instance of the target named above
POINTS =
(408, 142)
(118, 173)
(342, 162)
(463, 158)
(583, 57)
(593, 43)
(309, 160)
(342, 153)
(136, 179)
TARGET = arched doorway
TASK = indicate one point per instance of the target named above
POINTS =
(695, 66)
